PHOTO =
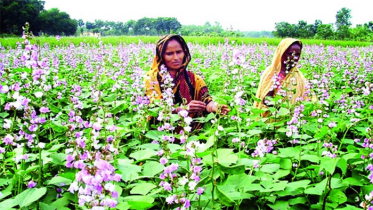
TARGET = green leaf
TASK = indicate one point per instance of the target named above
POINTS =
(56, 147)
(129, 171)
(284, 111)
(311, 158)
(29, 196)
(329, 164)
(143, 154)
(280, 205)
(143, 188)
(44, 206)
(57, 128)
(286, 163)
(342, 164)
(243, 179)
(152, 168)
(226, 156)
(227, 201)
(54, 108)
(139, 202)
(110, 98)
(337, 196)
(281, 173)
(58, 158)
(323, 131)
(289, 152)
(254, 132)
(4, 114)
(203, 181)
(235, 169)
(59, 181)
(210, 141)
(298, 200)
(354, 182)
(61, 202)
(8, 204)
(7, 191)
(154, 134)
(270, 168)
(273, 186)
(316, 189)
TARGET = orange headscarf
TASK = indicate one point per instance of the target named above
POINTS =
(294, 80)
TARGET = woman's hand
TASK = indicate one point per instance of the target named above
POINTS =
(213, 107)
(196, 106)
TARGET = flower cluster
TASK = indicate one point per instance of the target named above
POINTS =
(296, 121)
(330, 150)
(264, 146)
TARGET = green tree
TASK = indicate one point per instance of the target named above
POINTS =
(81, 24)
(315, 26)
(142, 26)
(343, 22)
(54, 22)
(325, 31)
(14, 14)
(284, 29)
(89, 25)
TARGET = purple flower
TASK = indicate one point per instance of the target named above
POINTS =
(332, 125)
(8, 139)
(163, 160)
(44, 109)
(33, 127)
(200, 190)
(171, 199)
(31, 184)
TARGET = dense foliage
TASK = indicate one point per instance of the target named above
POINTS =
(318, 30)
(76, 134)
(14, 14)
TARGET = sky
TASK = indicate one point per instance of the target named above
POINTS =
(243, 15)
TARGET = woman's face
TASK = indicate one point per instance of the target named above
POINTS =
(173, 56)
(291, 55)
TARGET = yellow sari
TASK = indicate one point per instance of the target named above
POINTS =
(294, 82)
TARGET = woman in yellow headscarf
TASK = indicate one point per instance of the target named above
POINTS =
(173, 53)
(282, 74)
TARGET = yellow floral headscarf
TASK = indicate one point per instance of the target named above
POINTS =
(187, 85)
(294, 80)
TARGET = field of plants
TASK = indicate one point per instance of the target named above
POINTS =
(75, 131)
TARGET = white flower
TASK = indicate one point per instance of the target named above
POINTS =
(192, 185)
(183, 180)
(188, 120)
(4, 89)
(41, 145)
(7, 124)
(38, 94)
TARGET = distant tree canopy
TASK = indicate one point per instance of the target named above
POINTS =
(318, 30)
(55, 22)
(14, 14)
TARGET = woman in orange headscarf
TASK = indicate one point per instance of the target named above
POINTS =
(173, 53)
(282, 74)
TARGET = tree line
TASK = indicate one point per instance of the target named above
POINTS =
(14, 14)
(154, 27)
(340, 30)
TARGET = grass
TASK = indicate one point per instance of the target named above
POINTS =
(204, 40)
